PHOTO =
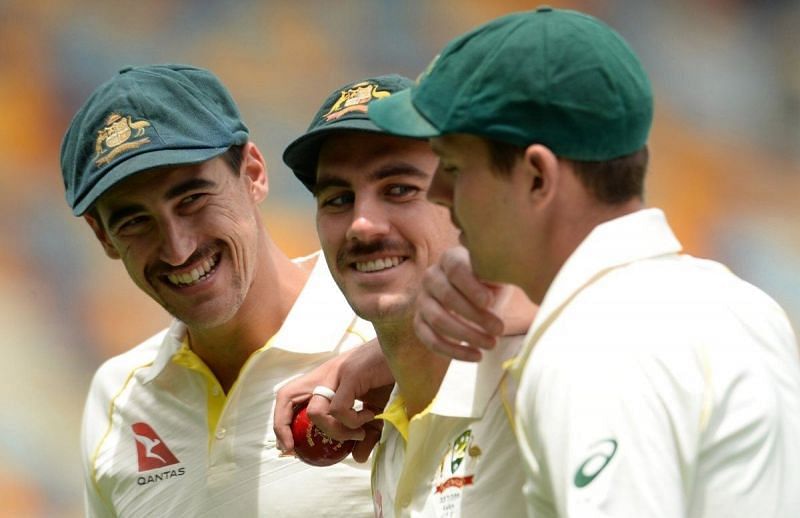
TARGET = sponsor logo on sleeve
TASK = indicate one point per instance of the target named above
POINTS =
(600, 454)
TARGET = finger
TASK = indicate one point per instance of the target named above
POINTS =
(319, 412)
(363, 448)
(341, 405)
(376, 398)
(455, 328)
(443, 346)
(341, 409)
(441, 296)
(285, 401)
(456, 267)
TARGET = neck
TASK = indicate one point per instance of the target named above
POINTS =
(417, 371)
(569, 231)
(275, 289)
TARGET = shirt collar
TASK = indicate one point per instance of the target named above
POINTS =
(467, 387)
(320, 316)
(170, 344)
(643, 234)
(316, 323)
(465, 391)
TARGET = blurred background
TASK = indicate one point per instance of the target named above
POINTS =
(725, 161)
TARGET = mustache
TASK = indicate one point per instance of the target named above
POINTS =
(358, 249)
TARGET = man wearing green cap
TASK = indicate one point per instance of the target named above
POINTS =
(651, 383)
(447, 446)
(159, 163)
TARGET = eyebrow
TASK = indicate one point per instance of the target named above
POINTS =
(173, 192)
(388, 171)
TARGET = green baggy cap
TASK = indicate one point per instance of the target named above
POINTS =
(146, 117)
(554, 77)
(344, 110)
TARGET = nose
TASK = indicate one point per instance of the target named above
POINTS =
(370, 221)
(440, 190)
(178, 242)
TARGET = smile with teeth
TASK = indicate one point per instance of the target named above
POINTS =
(196, 275)
(378, 264)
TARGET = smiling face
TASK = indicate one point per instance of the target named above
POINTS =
(188, 236)
(378, 231)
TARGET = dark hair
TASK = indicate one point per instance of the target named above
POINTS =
(233, 157)
(503, 156)
(617, 180)
(610, 181)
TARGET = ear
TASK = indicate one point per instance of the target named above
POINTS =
(543, 172)
(254, 169)
(102, 236)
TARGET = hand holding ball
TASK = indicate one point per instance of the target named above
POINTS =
(312, 446)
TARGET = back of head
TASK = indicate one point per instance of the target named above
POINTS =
(142, 118)
(554, 77)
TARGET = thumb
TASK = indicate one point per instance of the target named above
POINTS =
(363, 448)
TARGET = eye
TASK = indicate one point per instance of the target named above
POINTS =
(402, 190)
(131, 225)
(192, 198)
(336, 200)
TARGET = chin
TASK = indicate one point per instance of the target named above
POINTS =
(381, 307)
(206, 318)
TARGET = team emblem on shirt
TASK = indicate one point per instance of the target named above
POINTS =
(600, 454)
(120, 133)
(456, 471)
(355, 98)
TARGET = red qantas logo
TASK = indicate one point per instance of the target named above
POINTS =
(153, 453)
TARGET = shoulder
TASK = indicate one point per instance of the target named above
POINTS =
(112, 374)
(108, 383)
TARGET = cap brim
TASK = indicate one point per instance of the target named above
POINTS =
(302, 154)
(397, 115)
(140, 163)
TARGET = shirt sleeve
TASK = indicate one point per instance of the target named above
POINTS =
(611, 426)
(93, 428)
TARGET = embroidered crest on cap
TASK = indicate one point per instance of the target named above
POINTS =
(355, 98)
(120, 134)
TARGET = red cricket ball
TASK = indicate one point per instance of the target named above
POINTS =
(312, 446)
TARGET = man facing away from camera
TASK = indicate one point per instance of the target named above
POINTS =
(651, 383)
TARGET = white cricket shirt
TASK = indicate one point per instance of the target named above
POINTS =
(657, 384)
(160, 437)
(457, 458)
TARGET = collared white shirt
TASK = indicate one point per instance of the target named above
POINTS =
(457, 458)
(160, 438)
(657, 384)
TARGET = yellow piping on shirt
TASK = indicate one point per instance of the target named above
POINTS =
(108, 431)
(354, 332)
(505, 397)
(708, 389)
